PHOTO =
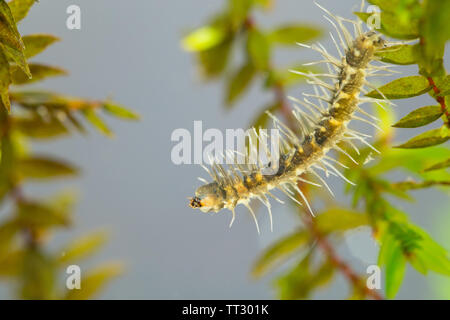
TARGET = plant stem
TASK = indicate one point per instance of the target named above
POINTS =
(280, 96)
(437, 91)
(343, 267)
(440, 99)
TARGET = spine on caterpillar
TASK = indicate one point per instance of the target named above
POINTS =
(322, 122)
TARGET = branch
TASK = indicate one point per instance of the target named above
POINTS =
(440, 99)
(343, 267)
(437, 91)
(322, 241)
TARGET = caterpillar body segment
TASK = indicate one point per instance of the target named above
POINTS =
(322, 120)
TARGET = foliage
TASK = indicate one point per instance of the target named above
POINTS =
(40, 115)
(312, 244)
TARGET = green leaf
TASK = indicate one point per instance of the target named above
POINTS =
(430, 67)
(400, 54)
(420, 117)
(393, 26)
(432, 253)
(239, 82)
(36, 43)
(37, 128)
(288, 76)
(38, 72)
(361, 189)
(17, 57)
(213, 61)
(417, 263)
(258, 48)
(7, 163)
(239, 11)
(279, 251)
(434, 257)
(440, 165)
(33, 214)
(395, 270)
(426, 139)
(9, 35)
(387, 117)
(414, 160)
(435, 27)
(443, 85)
(299, 282)
(434, 32)
(10, 38)
(82, 248)
(11, 263)
(120, 111)
(38, 276)
(340, 219)
(402, 88)
(38, 98)
(63, 202)
(266, 4)
(203, 38)
(394, 189)
(7, 232)
(44, 168)
(411, 185)
(444, 131)
(417, 246)
(56, 105)
(95, 280)
(5, 80)
(20, 8)
(393, 5)
(76, 123)
(97, 122)
(324, 274)
(295, 283)
(290, 34)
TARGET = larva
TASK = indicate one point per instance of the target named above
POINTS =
(323, 124)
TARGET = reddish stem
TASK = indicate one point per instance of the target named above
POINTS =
(440, 99)
(343, 267)
(437, 91)
(322, 241)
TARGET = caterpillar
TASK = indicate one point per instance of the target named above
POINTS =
(323, 123)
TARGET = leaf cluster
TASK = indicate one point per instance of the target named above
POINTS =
(401, 242)
(236, 28)
(41, 115)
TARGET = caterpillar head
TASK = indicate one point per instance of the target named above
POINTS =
(208, 198)
(363, 48)
(374, 39)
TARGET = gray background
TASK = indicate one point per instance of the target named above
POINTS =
(130, 50)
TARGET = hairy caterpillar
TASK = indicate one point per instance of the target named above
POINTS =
(323, 124)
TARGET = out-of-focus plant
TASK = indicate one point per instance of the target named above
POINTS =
(312, 244)
(26, 116)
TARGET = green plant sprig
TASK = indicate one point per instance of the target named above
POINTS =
(41, 115)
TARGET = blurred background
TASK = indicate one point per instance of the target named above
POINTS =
(130, 51)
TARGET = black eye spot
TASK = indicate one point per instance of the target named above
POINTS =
(195, 202)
